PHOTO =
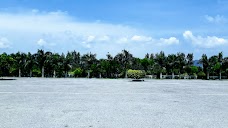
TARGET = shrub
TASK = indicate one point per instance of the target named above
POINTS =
(195, 75)
(78, 72)
(194, 69)
(201, 75)
(36, 73)
(136, 74)
(184, 76)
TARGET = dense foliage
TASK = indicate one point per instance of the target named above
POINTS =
(136, 74)
(73, 64)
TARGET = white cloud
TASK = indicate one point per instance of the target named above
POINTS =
(122, 40)
(60, 32)
(4, 42)
(52, 22)
(141, 38)
(41, 42)
(161, 41)
(204, 42)
(218, 19)
(104, 38)
(90, 38)
(169, 41)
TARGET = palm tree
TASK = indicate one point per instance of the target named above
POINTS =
(6, 62)
(75, 59)
(220, 61)
(40, 58)
(20, 59)
(181, 62)
(225, 65)
(113, 66)
(171, 63)
(190, 59)
(67, 61)
(205, 63)
(48, 63)
(160, 62)
(87, 61)
(30, 62)
(56, 63)
(124, 58)
(213, 64)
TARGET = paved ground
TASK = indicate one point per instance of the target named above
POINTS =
(96, 103)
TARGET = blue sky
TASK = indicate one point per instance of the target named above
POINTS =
(102, 26)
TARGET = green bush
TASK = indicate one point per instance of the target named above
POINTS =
(195, 75)
(201, 75)
(184, 75)
(194, 69)
(136, 74)
(36, 73)
(78, 72)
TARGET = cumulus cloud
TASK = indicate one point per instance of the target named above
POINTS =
(218, 19)
(169, 41)
(60, 32)
(122, 40)
(90, 38)
(4, 42)
(104, 38)
(141, 38)
(204, 42)
(41, 42)
(52, 22)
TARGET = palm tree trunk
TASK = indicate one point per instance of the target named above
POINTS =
(126, 74)
(30, 73)
(66, 74)
(19, 74)
(208, 77)
(172, 75)
(220, 75)
(43, 71)
(160, 75)
(54, 74)
(88, 74)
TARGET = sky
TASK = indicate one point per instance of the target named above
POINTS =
(109, 26)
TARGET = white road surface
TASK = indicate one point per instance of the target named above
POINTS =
(105, 103)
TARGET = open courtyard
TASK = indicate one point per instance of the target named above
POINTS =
(113, 103)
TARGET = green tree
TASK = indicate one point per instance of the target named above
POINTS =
(124, 59)
(6, 63)
(48, 64)
(40, 59)
(190, 59)
(87, 61)
(146, 64)
(220, 62)
(56, 63)
(30, 63)
(160, 63)
(213, 64)
(181, 62)
(225, 65)
(171, 63)
(205, 63)
(19, 62)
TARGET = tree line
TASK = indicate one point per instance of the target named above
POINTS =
(73, 64)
